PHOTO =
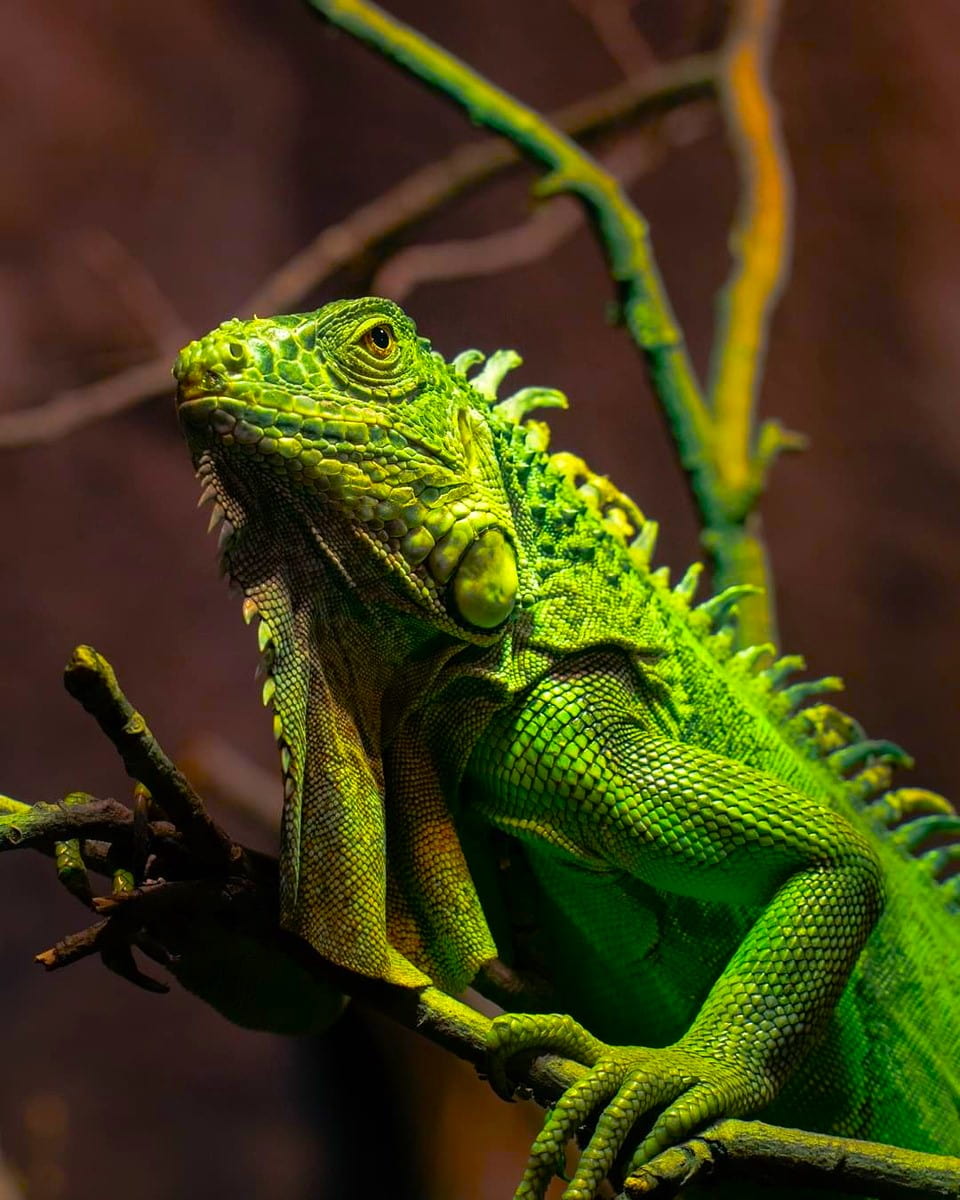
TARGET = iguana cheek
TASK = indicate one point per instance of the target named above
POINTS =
(485, 584)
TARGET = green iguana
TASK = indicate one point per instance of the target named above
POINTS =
(470, 662)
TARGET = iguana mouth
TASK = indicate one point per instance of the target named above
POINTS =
(297, 430)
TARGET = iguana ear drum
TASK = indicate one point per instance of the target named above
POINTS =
(485, 583)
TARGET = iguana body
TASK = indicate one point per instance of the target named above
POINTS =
(464, 645)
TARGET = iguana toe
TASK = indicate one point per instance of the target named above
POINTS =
(515, 1034)
(624, 1084)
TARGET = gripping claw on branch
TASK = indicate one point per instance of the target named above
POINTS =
(514, 1034)
(674, 1091)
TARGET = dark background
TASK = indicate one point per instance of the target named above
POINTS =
(160, 161)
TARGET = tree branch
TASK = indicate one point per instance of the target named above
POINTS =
(731, 534)
(76, 407)
(39, 825)
(533, 239)
(760, 245)
(400, 207)
(759, 241)
(90, 679)
(613, 24)
(767, 1154)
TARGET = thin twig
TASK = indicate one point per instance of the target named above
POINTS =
(427, 189)
(73, 948)
(537, 237)
(533, 239)
(130, 281)
(71, 409)
(657, 91)
(760, 244)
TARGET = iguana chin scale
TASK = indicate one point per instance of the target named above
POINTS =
(468, 658)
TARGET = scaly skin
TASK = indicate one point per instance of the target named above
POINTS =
(470, 663)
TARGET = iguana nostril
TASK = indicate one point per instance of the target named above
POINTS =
(197, 380)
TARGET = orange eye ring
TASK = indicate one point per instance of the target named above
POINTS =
(380, 340)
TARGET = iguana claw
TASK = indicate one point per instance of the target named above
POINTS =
(623, 1085)
(514, 1034)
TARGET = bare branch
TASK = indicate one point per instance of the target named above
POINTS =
(73, 948)
(760, 244)
(39, 825)
(71, 409)
(536, 238)
(427, 189)
(133, 285)
(90, 679)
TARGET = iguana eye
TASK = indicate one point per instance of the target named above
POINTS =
(380, 340)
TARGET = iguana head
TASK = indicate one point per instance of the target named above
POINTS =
(346, 420)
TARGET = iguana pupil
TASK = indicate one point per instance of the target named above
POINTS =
(380, 338)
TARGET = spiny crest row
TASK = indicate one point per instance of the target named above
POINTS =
(908, 817)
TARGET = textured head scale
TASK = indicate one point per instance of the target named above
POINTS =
(348, 417)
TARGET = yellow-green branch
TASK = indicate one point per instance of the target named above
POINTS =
(760, 246)
(759, 241)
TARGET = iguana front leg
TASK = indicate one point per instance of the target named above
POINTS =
(577, 767)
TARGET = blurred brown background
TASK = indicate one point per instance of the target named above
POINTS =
(160, 162)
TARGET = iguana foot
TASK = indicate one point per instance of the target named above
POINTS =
(625, 1083)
